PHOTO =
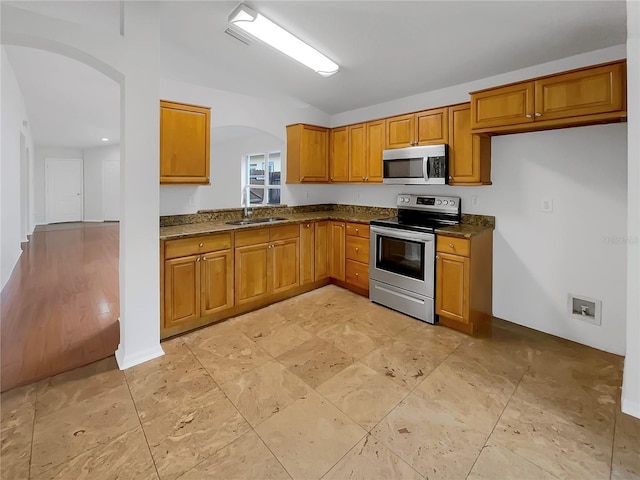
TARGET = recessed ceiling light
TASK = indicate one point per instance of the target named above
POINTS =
(105, 139)
(264, 29)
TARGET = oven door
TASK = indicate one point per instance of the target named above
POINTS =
(403, 259)
(405, 170)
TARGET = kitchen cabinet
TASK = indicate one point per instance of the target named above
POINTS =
(584, 96)
(429, 127)
(464, 281)
(339, 154)
(357, 256)
(267, 262)
(375, 145)
(469, 154)
(197, 278)
(307, 154)
(314, 251)
(358, 153)
(185, 132)
(337, 250)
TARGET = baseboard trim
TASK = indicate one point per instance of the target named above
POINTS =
(630, 407)
(127, 361)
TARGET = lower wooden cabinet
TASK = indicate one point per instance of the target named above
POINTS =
(337, 250)
(357, 255)
(267, 262)
(314, 251)
(464, 281)
(196, 283)
(321, 250)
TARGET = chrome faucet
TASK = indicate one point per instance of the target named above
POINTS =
(247, 210)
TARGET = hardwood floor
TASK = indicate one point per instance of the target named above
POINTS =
(60, 307)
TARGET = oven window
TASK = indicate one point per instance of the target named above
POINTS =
(404, 168)
(403, 257)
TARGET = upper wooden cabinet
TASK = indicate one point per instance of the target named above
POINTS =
(358, 153)
(339, 154)
(579, 97)
(429, 127)
(375, 146)
(184, 143)
(307, 154)
(469, 154)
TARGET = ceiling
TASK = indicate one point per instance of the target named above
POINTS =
(385, 49)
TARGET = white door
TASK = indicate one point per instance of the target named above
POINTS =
(111, 190)
(64, 189)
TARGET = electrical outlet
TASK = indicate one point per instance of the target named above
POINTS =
(547, 205)
(358, 195)
(475, 201)
(306, 195)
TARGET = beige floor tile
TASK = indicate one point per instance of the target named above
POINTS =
(225, 352)
(381, 320)
(626, 448)
(503, 362)
(434, 442)
(363, 394)
(126, 457)
(15, 448)
(315, 361)
(309, 436)
(62, 435)
(558, 445)
(167, 382)
(187, 435)
(17, 403)
(370, 459)
(498, 463)
(468, 391)
(418, 333)
(264, 391)
(353, 338)
(283, 338)
(259, 323)
(78, 385)
(246, 458)
(405, 365)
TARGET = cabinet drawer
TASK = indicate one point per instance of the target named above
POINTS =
(358, 274)
(454, 245)
(358, 249)
(195, 245)
(283, 232)
(252, 237)
(358, 230)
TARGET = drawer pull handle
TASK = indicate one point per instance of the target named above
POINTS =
(357, 230)
(357, 249)
(201, 245)
(452, 245)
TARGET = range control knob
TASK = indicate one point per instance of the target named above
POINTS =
(452, 203)
(445, 202)
(404, 199)
(438, 202)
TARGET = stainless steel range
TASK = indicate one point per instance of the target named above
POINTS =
(402, 258)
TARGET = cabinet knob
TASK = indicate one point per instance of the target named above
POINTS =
(198, 259)
(528, 115)
(357, 249)
(307, 226)
(204, 259)
(302, 178)
(366, 179)
(357, 274)
(201, 245)
(437, 257)
(331, 178)
(357, 230)
(538, 114)
(451, 245)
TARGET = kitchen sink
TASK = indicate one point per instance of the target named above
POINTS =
(251, 221)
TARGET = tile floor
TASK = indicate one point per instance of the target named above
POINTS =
(327, 385)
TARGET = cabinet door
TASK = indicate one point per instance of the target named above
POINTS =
(452, 286)
(307, 253)
(314, 154)
(501, 106)
(357, 153)
(586, 92)
(251, 273)
(321, 250)
(375, 146)
(432, 127)
(181, 290)
(469, 154)
(184, 143)
(337, 250)
(217, 281)
(284, 264)
(339, 156)
(400, 131)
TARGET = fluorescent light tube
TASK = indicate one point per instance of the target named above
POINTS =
(264, 29)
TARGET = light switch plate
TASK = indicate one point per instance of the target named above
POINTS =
(547, 205)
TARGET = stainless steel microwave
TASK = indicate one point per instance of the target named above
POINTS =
(426, 165)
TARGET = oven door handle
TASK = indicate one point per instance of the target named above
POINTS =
(404, 235)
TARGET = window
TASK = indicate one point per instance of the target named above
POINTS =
(263, 182)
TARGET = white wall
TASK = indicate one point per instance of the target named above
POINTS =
(94, 159)
(631, 383)
(14, 113)
(39, 176)
(230, 109)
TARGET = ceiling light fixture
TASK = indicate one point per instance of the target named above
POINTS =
(105, 139)
(264, 29)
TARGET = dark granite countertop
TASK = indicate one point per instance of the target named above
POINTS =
(464, 230)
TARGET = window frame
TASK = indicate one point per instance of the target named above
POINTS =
(266, 186)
